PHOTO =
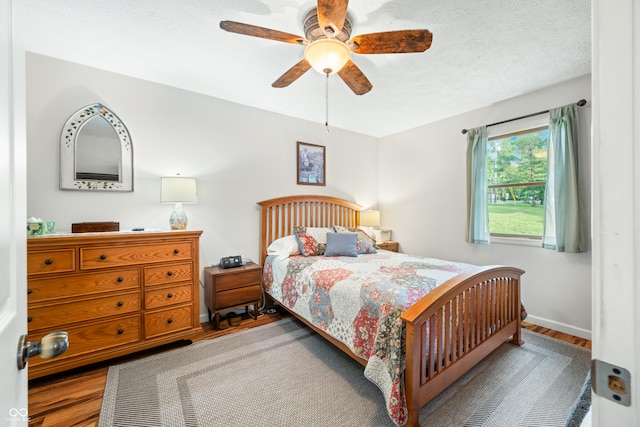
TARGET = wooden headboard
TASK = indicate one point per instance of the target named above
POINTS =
(278, 216)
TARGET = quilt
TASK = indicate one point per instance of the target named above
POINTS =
(358, 301)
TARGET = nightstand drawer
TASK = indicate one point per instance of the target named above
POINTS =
(167, 321)
(167, 296)
(237, 297)
(113, 256)
(238, 279)
(50, 316)
(169, 273)
(56, 261)
(87, 284)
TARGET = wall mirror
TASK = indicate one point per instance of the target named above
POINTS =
(95, 152)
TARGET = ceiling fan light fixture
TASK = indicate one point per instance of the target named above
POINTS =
(327, 56)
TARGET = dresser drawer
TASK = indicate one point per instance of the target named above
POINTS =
(238, 280)
(167, 296)
(54, 261)
(97, 336)
(50, 316)
(237, 297)
(168, 321)
(113, 256)
(82, 285)
(167, 273)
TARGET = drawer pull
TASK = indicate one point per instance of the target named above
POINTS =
(120, 279)
(120, 303)
(29, 319)
(176, 251)
(170, 273)
(120, 331)
(169, 320)
(103, 257)
(170, 296)
(48, 261)
(29, 291)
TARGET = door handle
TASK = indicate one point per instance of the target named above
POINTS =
(51, 345)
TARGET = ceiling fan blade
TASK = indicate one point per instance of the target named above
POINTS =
(292, 74)
(355, 79)
(265, 33)
(332, 13)
(401, 41)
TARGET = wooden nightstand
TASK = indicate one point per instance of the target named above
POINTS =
(231, 288)
(389, 245)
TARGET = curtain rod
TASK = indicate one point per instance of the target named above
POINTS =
(579, 103)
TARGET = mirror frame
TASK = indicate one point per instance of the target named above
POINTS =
(68, 141)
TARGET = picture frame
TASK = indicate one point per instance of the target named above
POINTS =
(311, 164)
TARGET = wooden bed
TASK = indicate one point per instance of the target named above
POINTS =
(477, 311)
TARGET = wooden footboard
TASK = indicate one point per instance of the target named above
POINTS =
(455, 326)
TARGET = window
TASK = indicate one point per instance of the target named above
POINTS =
(516, 179)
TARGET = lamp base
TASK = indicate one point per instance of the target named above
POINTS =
(178, 219)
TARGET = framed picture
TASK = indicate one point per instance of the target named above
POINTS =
(311, 164)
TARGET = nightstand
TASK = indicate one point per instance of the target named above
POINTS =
(388, 245)
(231, 288)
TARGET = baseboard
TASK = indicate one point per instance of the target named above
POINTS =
(560, 327)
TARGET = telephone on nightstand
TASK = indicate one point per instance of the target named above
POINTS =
(231, 261)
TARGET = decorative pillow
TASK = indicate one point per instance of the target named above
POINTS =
(341, 244)
(311, 240)
(364, 245)
(284, 247)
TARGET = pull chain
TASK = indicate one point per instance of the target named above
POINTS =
(326, 123)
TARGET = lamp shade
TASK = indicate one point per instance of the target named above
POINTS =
(177, 189)
(327, 56)
(370, 218)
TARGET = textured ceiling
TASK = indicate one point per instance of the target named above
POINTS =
(483, 51)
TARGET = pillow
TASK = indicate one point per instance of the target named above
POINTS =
(364, 244)
(341, 244)
(311, 240)
(284, 247)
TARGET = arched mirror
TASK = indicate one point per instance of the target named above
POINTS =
(95, 152)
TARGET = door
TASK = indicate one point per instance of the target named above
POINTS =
(13, 306)
(616, 200)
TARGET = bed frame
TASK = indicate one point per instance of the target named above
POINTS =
(474, 312)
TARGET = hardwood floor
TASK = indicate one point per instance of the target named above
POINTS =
(74, 398)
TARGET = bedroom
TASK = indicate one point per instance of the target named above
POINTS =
(211, 141)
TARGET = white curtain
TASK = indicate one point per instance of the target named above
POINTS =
(564, 228)
(477, 192)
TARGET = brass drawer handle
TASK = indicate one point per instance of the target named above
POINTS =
(120, 279)
(170, 296)
(120, 303)
(169, 320)
(48, 261)
(170, 273)
(120, 331)
(103, 257)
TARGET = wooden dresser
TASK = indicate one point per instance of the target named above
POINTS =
(114, 293)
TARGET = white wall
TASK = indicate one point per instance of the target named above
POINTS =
(422, 199)
(238, 155)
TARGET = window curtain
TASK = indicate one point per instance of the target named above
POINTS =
(564, 214)
(477, 230)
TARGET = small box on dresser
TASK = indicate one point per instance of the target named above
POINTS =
(114, 293)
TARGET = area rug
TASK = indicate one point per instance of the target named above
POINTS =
(283, 374)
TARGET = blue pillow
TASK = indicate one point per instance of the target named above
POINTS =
(341, 244)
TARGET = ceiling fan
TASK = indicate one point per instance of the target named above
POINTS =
(328, 48)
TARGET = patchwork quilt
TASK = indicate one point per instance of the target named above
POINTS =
(359, 300)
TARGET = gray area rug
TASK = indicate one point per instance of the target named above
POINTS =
(283, 374)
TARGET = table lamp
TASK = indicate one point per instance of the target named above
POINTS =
(178, 190)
